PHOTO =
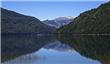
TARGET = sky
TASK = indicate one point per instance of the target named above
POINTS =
(55, 0)
(44, 10)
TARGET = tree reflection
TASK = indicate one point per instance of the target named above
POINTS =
(95, 47)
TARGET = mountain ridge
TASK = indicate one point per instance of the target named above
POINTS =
(59, 21)
(13, 22)
(94, 21)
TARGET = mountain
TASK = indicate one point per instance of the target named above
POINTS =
(19, 34)
(58, 22)
(13, 22)
(92, 47)
(57, 45)
(94, 21)
(15, 45)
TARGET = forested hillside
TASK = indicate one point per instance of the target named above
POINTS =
(13, 22)
(94, 21)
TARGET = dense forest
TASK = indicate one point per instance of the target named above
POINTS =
(13, 22)
(94, 47)
(94, 21)
(19, 34)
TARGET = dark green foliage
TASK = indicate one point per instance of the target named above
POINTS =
(20, 34)
(14, 45)
(12, 22)
(94, 21)
(95, 47)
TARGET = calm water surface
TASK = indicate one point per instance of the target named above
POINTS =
(54, 52)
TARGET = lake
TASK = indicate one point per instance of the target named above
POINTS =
(49, 50)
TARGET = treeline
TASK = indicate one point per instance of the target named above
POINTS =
(94, 21)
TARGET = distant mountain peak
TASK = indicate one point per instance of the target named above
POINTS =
(13, 22)
(65, 17)
(58, 22)
(71, 17)
(93, 21)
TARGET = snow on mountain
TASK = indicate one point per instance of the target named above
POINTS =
(58, 22)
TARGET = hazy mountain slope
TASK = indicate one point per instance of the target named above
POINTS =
(14, 41)
(93, 21)
(58, 22)
(12, 22)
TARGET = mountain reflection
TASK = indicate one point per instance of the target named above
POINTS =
(95, 47)
(14, 45)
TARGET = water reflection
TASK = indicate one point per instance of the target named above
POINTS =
(13, 45)
(47, 49)
(51, 56)
(57, 45)
(95, 47)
